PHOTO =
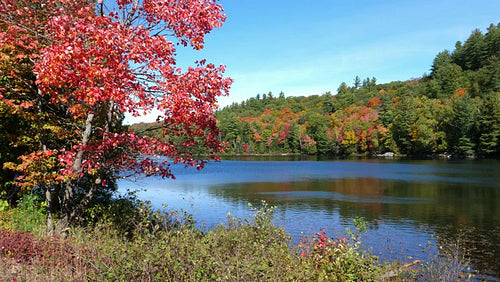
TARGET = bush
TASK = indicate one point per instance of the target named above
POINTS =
(3, 203)
(154, 245)
(17, 245)
(449, 264)
(340, 259)
(30, 215)
(242, 250)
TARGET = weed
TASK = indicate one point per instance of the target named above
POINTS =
(448, 264)
(3, 203)
(145, 244)
(340, 258)
(30, 214)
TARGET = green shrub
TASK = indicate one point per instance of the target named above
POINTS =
(340, 259)
(241, 249)
(29, 215)
(3, 203)
(161, 246)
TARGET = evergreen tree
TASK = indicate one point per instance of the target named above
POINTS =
(342, 89)
(442, 59)
(489, 125)
(345, 96)
(448, 78)
(357, 82)
(492, 39)
(460, 133)
(475, 51)
(402, 125)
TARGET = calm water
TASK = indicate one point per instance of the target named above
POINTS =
(409, 205)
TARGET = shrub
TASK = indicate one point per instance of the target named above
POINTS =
(3, 203)
(17, 245)
(163, 246)
(30, 215)
(449, 264)
(338, 259)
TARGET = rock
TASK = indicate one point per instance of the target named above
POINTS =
(387, 155)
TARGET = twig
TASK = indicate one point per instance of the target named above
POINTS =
(395, 272)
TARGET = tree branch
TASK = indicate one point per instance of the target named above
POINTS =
(27, 29)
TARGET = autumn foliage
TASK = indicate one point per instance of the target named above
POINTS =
(75, 68)
(452, 112)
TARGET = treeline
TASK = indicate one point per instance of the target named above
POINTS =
(453, 110)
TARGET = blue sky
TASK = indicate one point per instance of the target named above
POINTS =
(311, 47)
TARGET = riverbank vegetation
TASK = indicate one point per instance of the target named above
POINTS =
(453, 111)
(125, 239)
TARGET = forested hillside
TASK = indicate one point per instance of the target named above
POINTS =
(454, 110)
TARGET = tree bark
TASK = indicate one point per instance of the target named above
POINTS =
(70, 212)
(50, 220)
(48, 193)
(83, 203)
(67, 202)
(93, 189)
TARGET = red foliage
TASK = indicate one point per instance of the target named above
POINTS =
(373, 102)
(307, 140)
(92, 63)
(190, 20)
(283, 134)
(52, 251)
(269, 142)
(460, 92)
(18, 245)
(321, 247)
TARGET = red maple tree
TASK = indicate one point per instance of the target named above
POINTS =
(92, 62)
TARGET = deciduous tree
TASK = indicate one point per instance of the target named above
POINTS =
(94, 62)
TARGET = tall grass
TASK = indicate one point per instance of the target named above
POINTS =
(127, 240)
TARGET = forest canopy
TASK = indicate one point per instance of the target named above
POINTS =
(454, 110)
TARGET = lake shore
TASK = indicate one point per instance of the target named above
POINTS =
(141, 244)
(406, 202)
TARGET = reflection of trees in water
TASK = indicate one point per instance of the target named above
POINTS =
(459, 212)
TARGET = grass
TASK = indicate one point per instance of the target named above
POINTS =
(127, 240)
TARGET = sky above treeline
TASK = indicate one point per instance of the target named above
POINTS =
(310, 47)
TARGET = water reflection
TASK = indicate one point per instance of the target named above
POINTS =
(407, 204)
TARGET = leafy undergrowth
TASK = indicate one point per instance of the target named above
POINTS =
(167, 247)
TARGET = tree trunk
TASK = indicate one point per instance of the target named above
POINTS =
(67, 202)
(48, 193)
(50, 220)
(84, 202)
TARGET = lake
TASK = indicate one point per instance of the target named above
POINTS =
(411, 207)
